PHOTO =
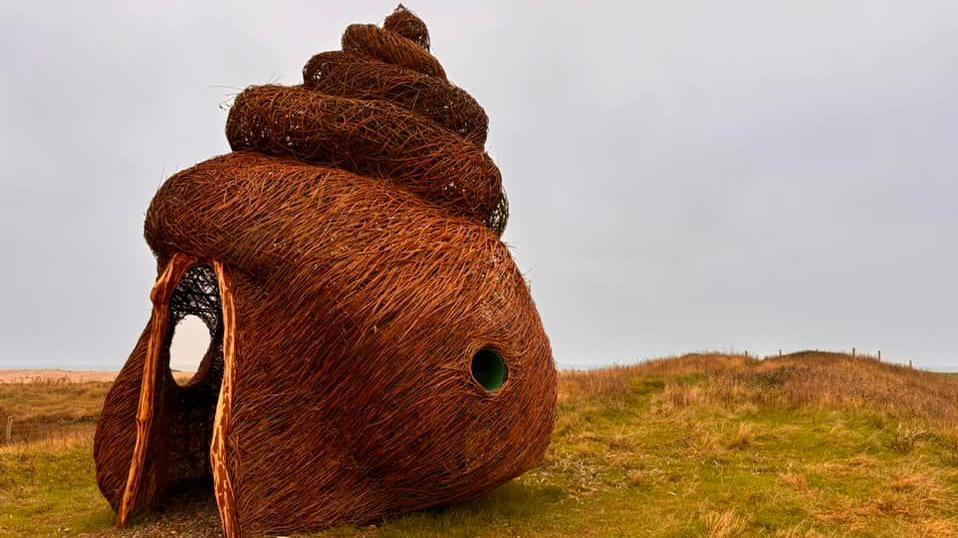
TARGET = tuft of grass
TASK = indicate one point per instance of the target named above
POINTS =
(907, 436)
(725, 524)
(743, 437)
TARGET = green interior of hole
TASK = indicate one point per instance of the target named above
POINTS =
(489, 370)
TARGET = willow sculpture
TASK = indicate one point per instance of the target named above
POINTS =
(375, 349)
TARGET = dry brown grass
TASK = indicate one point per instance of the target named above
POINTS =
(743, 437)
(55, 376)
(794, 479)
(52, 443)
(838, 380)
(725, 524)
(914, 496)
(49, 410)
(820, 379)
(617, 381)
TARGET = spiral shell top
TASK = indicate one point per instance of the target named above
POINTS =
(382, 108)
(375, 350)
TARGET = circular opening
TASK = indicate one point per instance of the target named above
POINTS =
(489, 370)
(191, 340)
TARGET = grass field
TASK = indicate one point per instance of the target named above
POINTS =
(810, 444)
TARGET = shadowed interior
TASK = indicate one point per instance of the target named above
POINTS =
(178, 443)
(489, 369)
(187, 456)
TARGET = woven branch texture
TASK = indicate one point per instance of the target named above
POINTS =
(359, 217)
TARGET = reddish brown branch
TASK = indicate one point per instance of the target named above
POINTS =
(159, 329)
(222, 483)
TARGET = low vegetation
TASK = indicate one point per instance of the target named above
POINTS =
(50, 409)
(810, 444)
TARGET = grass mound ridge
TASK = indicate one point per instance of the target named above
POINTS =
(808, 444)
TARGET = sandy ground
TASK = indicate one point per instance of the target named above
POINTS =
(65, 376)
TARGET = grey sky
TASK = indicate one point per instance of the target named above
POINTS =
(683, 175)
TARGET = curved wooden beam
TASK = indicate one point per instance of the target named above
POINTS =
(222, 483)
(159, 329)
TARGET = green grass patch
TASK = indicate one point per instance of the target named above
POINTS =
(46, 491)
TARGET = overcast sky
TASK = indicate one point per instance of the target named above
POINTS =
(744, 174)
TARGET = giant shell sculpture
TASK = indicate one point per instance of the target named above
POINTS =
(375, 350)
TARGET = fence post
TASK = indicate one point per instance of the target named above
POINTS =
(853, 353)
(9, 434)
(879, 355)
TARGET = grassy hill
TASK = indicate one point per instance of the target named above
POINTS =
(809, 444)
